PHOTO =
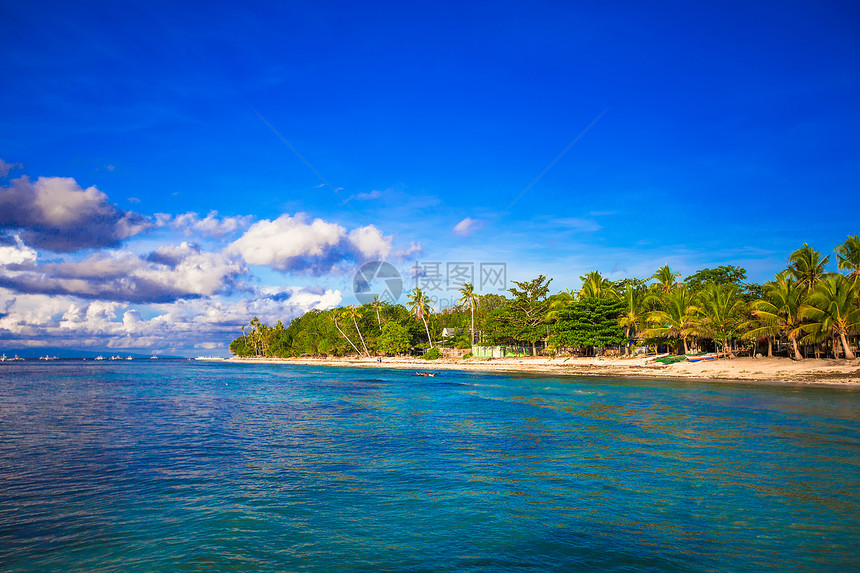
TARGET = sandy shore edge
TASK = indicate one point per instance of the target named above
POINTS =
(753, 370)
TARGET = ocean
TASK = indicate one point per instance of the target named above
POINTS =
(187, 466)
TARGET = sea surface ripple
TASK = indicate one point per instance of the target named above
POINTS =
(184, 466)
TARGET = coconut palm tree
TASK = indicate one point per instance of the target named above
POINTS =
(355, 313)
(677, 317)
(780, 310)
(831, 307)
(419, 305)
(666, 279)
(721, 311)
(376, 304)
(633, 315)
(849, 256)
(338, 314)
(595, 286)
(468, 296)
(849, 260)
(807, 267)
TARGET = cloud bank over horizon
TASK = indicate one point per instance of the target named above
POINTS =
(75, 269)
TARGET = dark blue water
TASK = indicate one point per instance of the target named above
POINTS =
(185, 466)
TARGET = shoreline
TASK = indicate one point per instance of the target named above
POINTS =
(829, 372)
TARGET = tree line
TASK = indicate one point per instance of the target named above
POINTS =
(804, 307)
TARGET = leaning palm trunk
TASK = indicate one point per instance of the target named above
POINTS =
(797, 355)
(849, 354)
(347, 338)
(427, 328)
(360, 337)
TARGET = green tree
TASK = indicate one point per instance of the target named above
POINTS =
(665, 279)
(394, 339)
(722, 275)
(832, 308)
(376, 304)
(849, 256)
(525, 314)
(675, 319)
(780, 311)
(419, 304)
(589, 322)
(341, 315)
(595, 286)
(470, 297)
(355, 313)
(807, 267)
(632, 316)
(721, 311)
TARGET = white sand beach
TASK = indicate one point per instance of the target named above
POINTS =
(769, 370)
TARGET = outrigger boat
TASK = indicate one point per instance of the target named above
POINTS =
(701, 357)
(430, 374)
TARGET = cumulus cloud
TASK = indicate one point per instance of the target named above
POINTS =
(369, 243)
(466, 227)
(168, 274)
(17, 254)
(210, 226)
(299, 244)
(55, 213)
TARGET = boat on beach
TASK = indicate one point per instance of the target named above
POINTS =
(702, 357)
(656, 356)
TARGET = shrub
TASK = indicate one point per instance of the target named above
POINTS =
(432, 354)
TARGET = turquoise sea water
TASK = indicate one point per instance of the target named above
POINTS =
(182, 466)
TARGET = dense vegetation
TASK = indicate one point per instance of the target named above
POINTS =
(805, 308)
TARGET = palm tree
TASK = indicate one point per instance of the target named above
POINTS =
(377, 304)
(354, 313)
(721, 311)
(849, 260)
(677, 317)
(469, 296)
(849, 256)
(339, 314)
(831, 307)
(595, 286)
(633, 316)
(666, 279)
(779, 311)
(419, 306)
(807, 267)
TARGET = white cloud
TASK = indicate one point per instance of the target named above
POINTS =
(466, 227)
(19, 254)
(369, 242)
(210, 226)
(282, 242)
(297, 243)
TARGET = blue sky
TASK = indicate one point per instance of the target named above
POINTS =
(704, 135)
